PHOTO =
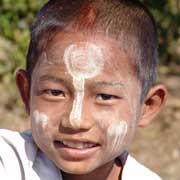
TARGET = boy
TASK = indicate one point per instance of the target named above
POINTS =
(89, 82)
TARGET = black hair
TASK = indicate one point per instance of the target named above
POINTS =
(127, 21)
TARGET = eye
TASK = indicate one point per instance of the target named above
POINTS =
(54, 92)
(106, 97)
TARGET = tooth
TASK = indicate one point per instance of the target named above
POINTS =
(91, 145)
(73, 145)
(87, 145)
(64, 142)
(78, 145)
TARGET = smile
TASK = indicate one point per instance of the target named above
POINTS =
(76, 145)
(80, 145)
(73, 150)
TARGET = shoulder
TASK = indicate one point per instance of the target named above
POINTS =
(134, 169)
(21, 158)
(19, 144)
(16, 140)
(16, 152)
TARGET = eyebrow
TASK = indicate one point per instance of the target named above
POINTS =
(50, 78)
(55, 79)
(98, 84)
(116, 84)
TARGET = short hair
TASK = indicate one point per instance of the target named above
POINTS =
(127, 21)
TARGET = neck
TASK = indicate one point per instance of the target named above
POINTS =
(109, 171)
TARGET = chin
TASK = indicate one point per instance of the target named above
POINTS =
(76, 171)
(78, 168)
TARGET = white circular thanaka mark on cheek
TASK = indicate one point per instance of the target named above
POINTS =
(40, 117)
(116, 133)
(82, 61)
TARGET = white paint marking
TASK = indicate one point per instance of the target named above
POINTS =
(116, 133)
(40, 117)
(82, 62)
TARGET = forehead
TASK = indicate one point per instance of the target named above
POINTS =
(85, 48)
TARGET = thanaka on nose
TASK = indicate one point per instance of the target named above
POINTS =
(75, 115)
(80, 117)
(83, 61)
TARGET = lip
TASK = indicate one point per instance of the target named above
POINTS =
(75, 154)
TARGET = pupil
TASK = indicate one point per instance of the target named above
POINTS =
(106, 96)
(56, 92)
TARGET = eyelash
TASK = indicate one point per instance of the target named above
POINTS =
(106, 97)
(54, 92)
(58, 94)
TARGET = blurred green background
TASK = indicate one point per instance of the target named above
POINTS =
(16, 18)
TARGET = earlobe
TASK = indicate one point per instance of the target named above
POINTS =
(22, 83)
(153, 103)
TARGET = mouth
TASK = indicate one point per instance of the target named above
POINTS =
(75, 145)
(75, 150)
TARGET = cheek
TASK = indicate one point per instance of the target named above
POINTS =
(116, 134)
(115, 131)
(40, 119)
(39, 128)
(105, 118)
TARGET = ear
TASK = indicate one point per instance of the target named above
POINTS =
(22, 83)
(152, 105)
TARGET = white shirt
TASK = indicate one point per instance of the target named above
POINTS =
(133, 170)
(20, 159)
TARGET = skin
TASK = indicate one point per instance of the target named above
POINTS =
(110, 108)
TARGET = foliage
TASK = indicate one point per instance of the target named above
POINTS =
(167, 15)
(16, 18)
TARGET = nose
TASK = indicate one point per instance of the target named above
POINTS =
(79, 117)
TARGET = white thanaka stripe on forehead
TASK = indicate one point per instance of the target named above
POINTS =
(82, 61)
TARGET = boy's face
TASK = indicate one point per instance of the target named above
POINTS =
(84, 102)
